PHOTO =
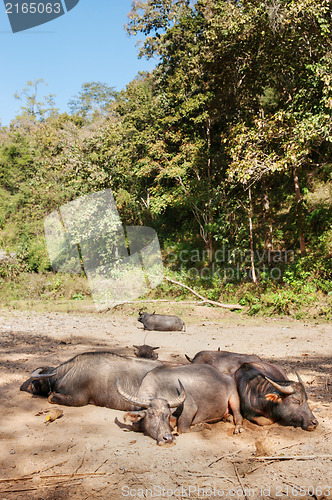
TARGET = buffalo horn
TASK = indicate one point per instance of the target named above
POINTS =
(174, 403)
(36, 375)
(143, 403)
(299, 378)
(284, 389)
(36, 372)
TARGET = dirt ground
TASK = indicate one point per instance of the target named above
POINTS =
(87, 453)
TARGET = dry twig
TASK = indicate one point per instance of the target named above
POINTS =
(228, 455)
(258, 467)
(240, 482)
(48, 476)
(290, 457)
(204, 299)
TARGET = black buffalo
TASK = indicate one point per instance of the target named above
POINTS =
(268, 396)
(161, 322)
(88, 378)
(91, 378)
(224, 361)
(210, 395)
(146, 351)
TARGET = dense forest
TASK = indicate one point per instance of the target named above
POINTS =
(224, 149)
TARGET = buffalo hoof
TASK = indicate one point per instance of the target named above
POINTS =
(238, 429)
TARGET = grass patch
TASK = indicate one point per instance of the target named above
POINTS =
(67, 293)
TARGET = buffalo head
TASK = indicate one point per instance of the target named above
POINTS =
(146, 351)
(291, 406)
(155, 416)
(39, 382)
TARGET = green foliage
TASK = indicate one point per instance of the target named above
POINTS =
(94, 100)
(241, 98)
(33, 107)
(44, 287)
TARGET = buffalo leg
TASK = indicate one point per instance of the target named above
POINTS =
(234, 404)
(65, 399)
(187, 416)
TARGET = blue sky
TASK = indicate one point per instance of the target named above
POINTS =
(88, 43)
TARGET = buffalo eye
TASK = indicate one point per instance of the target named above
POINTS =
(297, 401)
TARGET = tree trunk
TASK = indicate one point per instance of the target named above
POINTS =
(299, 210)
(209, 215)
(252, 256)
(267, 225)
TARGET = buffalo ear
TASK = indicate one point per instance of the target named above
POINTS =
(154, 348)
(276, 398)
(134, 416)
(26, 386)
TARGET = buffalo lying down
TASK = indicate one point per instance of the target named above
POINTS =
(100, 377)
(224, 361)
(146, 351)
(89, 378)
(210, 395)
(268, 396)
(161, 322)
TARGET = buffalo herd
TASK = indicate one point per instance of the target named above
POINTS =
(160, 396)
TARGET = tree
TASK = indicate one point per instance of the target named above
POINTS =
(94, 99)
(34, 107)
(246, 89)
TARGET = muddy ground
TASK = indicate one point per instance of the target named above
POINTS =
(87, 453)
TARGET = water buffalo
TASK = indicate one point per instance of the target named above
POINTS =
(210, 395)
(161, 322)
(268, 396)
(224, 361)
(146, 351)
(89, 378)
(154, 417)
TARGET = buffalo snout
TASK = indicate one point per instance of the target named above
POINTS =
(311, 426)
(167, 438)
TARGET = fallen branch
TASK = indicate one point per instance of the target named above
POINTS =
(257, 467)
(51, 485)
(47, 468)
(104, 462)
(291, 457)
(80, 465)
(204, 299)
(232, 454)
(18, 491)
(52, 476)
(291, 446)
(240, 482)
